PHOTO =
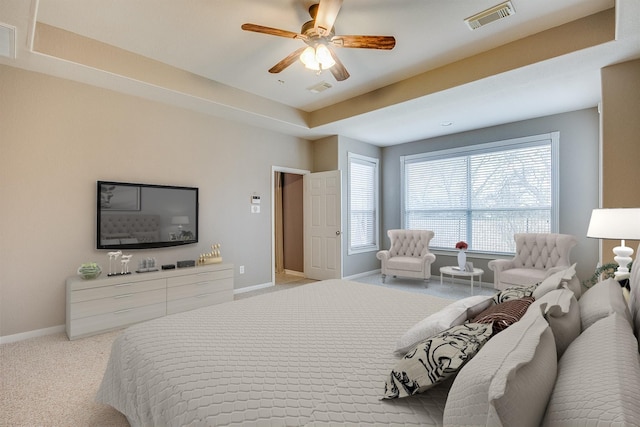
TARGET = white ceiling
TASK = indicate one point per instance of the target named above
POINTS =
(204, 37)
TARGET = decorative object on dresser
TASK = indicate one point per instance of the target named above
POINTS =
(618, 224)
(100, 305)
(147, 265)
(213, 257)
(89, 270)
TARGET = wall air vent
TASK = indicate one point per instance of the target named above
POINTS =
(7, 40)
(320, 87)
(490, 15)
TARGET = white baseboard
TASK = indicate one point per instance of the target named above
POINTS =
(359, 275)
(252, 288)
(32, 334)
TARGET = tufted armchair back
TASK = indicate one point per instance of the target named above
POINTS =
(543, 250)
(408, 255)
(414, 243)
(538, 255)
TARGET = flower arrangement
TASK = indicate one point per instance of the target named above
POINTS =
(461, 245)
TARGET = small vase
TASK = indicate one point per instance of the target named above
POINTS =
(462, 260)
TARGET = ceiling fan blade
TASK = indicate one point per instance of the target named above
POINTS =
(326, 16)
(272, 31)
(293, 57)
(365, 42)
(338, 70)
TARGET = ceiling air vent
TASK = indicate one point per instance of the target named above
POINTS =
(320, 87)
(490, 15)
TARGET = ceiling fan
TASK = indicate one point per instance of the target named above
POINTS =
(319, 35)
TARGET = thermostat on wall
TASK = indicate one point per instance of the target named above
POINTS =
(255, 200)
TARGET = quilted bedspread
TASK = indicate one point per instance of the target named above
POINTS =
(312, 355)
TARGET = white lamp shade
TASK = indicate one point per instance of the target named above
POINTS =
(180, 220)
(619, 224)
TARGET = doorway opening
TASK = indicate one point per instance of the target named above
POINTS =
(288, 226)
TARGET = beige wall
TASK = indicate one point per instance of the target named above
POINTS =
(57, 138)
(620, 142)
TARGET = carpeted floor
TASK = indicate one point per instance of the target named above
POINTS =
(51, 381)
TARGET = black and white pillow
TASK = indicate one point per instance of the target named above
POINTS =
(514, 292)
(436, 359)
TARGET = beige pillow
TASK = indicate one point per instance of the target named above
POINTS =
(598, 378)
(509, 381)
(454, 314)
(601, 300)
(560, 308)
(554, 281)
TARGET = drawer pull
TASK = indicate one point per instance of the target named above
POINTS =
(202, 295)
(126, 310)
(202, 283)
(122, 296)
(122, 284)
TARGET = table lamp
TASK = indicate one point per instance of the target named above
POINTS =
(622, 223)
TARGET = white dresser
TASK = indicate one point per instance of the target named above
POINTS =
(99, 305)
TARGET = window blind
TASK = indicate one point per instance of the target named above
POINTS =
(363, 203)
(482, 195)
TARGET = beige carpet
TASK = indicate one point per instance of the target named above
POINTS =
(51, 381)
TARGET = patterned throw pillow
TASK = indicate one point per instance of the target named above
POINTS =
(436, 359)
(505, 314)
(514, 292)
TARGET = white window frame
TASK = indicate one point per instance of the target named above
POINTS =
(375, 163)
(553, 138)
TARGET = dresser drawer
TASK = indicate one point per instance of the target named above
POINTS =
(117, 303)
(199, 288)
(103, 322)
(117, 289)
(198, 301)
(204, 276)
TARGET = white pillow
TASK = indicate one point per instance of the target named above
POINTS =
(509, 381)
(554, 281)
(454, 314)
(601, 300)
(598, 378)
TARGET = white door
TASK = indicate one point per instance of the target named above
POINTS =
(322, 225)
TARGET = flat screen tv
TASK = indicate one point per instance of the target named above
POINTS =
(143, 216)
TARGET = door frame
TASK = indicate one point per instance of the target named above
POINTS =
(275, 169)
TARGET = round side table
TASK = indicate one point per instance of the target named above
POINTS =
(456, 272)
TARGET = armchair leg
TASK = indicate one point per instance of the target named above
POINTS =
(384, 276)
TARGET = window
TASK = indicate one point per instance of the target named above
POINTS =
(483, 194)
(363, 204)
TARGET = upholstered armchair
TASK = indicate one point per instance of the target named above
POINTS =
(408, 255)
(538, 255)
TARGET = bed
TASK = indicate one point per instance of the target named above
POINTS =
(322, 353)
(306, 355)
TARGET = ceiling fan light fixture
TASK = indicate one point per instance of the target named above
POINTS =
(317, 58)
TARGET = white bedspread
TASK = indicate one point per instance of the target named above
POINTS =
(310, 355)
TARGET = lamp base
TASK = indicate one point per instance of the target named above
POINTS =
(623, 258)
